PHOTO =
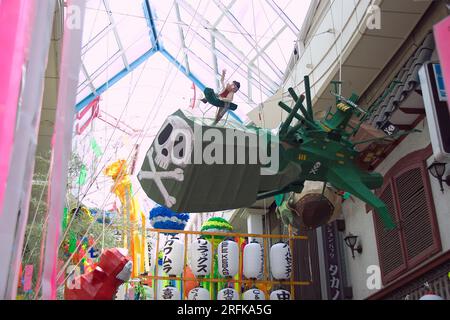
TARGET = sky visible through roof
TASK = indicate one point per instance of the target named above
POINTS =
(252, 39)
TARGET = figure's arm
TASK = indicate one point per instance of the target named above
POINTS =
(222, 78)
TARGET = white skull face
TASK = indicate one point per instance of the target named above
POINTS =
(173, 143)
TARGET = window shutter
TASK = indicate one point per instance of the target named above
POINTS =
(416, 212)
(389, 242)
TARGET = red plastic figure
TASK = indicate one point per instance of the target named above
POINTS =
(102, 283)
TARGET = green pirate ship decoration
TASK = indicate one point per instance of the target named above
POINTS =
(195, 165)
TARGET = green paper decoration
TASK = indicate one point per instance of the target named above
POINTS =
(64, 220)
(96, 148)
(279, 199)
(72, 242)
(82, 177)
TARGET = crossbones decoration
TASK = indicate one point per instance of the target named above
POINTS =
(171, 146)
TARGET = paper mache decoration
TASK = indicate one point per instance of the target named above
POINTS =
(102, 283)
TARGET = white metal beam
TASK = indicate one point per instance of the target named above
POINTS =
(230, 5)
(251, 41)
(243, 59)
(116, 34)
(182, 38)
(268, 43)
(283, 16)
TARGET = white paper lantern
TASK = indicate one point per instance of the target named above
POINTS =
(172, 263)
(169, 293)
(227, 294)
(201, 253)
(199, 294)
(431, 296)
(228, 256)
(151, 249)
(253, 260)
(280, 295)
(281, 261)
(254, 294)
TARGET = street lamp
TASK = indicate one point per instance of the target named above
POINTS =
(350, 241)
(437, 170)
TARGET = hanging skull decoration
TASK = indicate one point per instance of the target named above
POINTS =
(173, 143)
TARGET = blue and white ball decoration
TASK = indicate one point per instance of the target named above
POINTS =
(164, 218)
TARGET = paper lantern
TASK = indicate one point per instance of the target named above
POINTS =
(253, 260)
(227, 294)
(431, 296)
(172, 263)
(151, 248)
(280, 295)
(281, 261)
(228, 256)
(199, 294)
(254, 294)
(169, 293)
(201, 254)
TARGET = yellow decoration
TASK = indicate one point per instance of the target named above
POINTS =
(118, 171)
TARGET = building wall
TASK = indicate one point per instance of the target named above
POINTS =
(361, 223)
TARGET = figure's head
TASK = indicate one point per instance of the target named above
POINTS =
(236, 85)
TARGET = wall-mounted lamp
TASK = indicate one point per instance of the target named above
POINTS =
(437, 170)
(350, 241)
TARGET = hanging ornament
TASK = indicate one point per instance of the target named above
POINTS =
(280, 295)
(199, 294)
(82, 177)
(164, 218)
(228, 294)
(253, 260)
(281, 261)
(169, 293)
(254, 294)
(173, 256)
(228, 257)
(216, 224)
(201, 253)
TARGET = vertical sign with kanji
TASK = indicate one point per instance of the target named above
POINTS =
(332, 262)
